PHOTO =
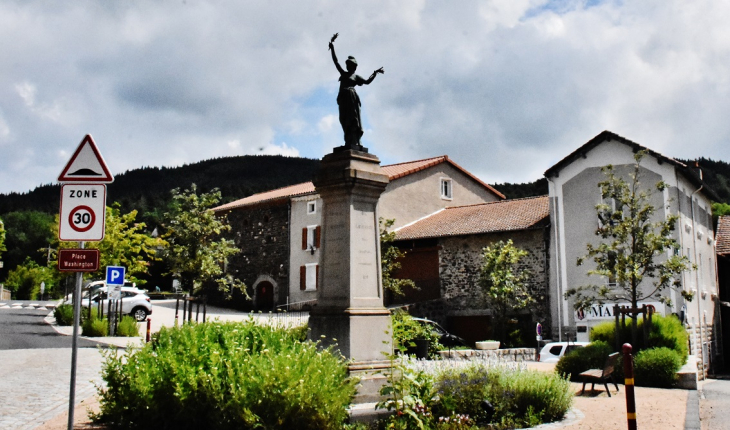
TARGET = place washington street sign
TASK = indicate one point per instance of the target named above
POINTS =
(82, 218)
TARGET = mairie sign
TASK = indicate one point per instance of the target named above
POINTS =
(605, 311)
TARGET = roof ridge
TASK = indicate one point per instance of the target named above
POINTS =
(420, 219)
(498, 201)
(445, 157)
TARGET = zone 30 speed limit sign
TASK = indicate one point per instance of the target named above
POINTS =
(82, 212)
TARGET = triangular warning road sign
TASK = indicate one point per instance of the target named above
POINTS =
(86, 165)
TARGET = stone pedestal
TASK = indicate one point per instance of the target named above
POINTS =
(349, 312)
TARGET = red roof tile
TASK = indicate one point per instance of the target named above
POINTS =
(723, 235)
(394, 171)
(507, 215)
(272, 196)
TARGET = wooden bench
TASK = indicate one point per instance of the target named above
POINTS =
(601, 375)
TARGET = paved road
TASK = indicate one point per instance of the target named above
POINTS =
(22, 327)
(715, 404)
(35, 367)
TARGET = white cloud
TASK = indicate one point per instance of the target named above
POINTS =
(282, 149)
(326, 123)
(506, 87)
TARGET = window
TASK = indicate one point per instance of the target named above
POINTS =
(309, 277)
(311, 208)
(311, 237)
(446, 189)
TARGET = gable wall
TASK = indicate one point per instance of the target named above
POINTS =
(412, 197)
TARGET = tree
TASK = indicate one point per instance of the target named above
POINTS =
(27, 234)
(25, 280)
(504, 283)
(197, 253)
(2, 238)
(389, 256)
(633, 246)
(125, 244)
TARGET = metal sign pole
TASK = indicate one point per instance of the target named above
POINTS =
(74, 346)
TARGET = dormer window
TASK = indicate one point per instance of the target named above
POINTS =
(446, 189)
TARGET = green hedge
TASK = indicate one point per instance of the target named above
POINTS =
(64, 315)
(95, 327)
(657, 367)
(520, 398)
(665, 332)
(225, 376)
(128, 327)
(593, 356)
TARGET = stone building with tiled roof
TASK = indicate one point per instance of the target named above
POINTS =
(279, 231)
(444, 257)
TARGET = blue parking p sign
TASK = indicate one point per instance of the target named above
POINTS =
(115, 275)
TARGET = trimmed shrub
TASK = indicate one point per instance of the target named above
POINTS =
(665, 332)
(128, 327)
(64, 315)
(657, 367)
(520, 398)
(95, 327)
(234, 375)
(668, 332)
(592, 356)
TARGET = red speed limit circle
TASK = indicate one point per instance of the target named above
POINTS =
(81, 218)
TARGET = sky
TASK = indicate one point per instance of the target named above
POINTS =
(506, 88)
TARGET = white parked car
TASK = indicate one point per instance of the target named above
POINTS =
(551, 352)
(134, 302)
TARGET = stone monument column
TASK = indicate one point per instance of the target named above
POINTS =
(350, 312)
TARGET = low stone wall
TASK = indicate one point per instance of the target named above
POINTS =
(505, 355)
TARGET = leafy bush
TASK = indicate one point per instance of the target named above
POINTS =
(64, 315)
(592, 356)
(95, 327)
(406, 331)
(453, 397)
(233, 375)
(665, 332)
(128, 327)
(520, 398)
(657, 367)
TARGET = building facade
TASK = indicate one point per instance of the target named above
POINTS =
(574, 195)
(279, 231)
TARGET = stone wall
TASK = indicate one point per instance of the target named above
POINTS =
(460, 260)
(511, 355)
(702, 349)
(262, 234)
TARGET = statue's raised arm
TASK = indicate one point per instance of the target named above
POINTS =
(348, 100)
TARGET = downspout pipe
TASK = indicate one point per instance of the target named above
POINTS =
(697, 272)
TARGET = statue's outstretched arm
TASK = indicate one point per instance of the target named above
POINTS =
(334, 59)
(372, 77)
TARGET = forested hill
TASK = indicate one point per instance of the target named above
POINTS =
(717, 175)
(148, 188)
